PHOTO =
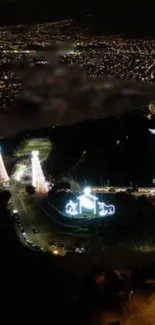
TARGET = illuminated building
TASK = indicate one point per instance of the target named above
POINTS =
(38, 179)
(4, 178)
(87, 202)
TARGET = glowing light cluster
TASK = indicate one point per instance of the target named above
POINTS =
(4, 178)
(88, 202)
(19, 172)
(38, 179)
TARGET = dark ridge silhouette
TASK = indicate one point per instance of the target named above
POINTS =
(132, 159)
(108, 16)
(24, 12)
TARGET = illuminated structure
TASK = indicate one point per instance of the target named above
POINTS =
(4, 178)
(88, 203)
(72, 208)
(106, 210)
(152, 131)
(38, 179)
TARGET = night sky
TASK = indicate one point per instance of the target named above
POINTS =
(109, 15)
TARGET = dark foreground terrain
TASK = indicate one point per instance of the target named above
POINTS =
(64, 288)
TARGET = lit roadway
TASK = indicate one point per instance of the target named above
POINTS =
(141, 190)
(25, 215)
(145, 315)
(29, 221)
(140, 311)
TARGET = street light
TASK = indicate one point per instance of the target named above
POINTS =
(15, 211)
(55, 252)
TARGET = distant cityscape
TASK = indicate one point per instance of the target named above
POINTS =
(98, 55)
(81, 195)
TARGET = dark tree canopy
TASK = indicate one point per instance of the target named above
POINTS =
(30, 189)
(62, 185)
(5, 197)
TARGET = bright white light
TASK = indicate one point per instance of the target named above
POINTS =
(15, 211)
(71, 208)
(55, 252)
(152, 131)
(86, 202)
(35, 153)
(87, 190)
(4, 178)
(106, 210)
(38, 179)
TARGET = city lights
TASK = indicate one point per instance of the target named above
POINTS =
(87, 202)
(38, 179)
